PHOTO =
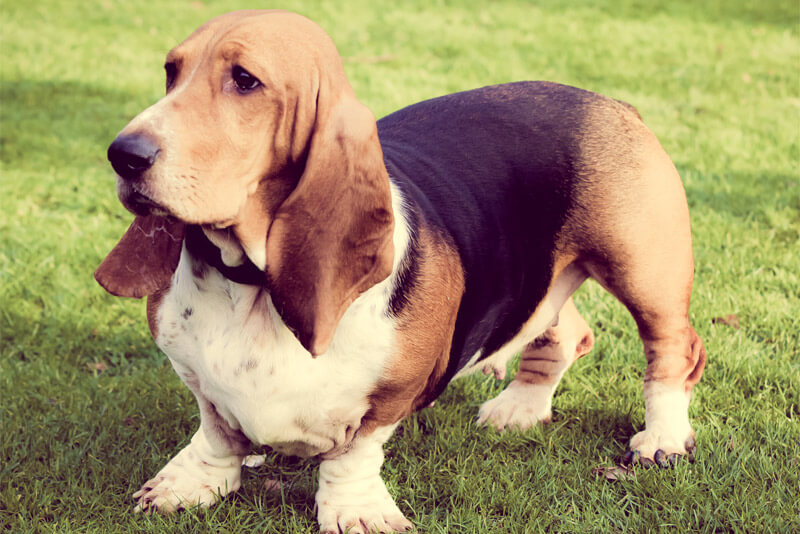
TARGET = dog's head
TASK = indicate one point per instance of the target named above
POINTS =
(259, 138)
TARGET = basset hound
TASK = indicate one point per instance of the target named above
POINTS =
(315, 277)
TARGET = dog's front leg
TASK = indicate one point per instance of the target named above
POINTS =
(208, 468)
(351, 493)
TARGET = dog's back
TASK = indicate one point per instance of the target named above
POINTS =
(497, 170)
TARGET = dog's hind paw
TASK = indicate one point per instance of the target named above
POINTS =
(520, 406)
(652, 449)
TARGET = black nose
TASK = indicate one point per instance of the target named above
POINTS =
(131, 155)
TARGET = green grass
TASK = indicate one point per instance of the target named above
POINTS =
(89, 408)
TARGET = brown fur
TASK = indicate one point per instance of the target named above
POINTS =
(331, 239)
(630, 229)
(153, 304)
(144, 259)
(424, 334)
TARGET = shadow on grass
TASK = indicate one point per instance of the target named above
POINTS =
(47, 328)
(55, 123)
(451, 424)
(742, 195)
(287, 482)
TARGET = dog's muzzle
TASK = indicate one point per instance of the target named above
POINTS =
(132, 156)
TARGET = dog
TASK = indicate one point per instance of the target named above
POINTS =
(315, 277)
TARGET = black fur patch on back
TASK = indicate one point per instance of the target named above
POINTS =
(493, 170)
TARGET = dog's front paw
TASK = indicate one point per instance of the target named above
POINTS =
(358, 508)
(187, 481)
(377, 514)
(167, 493)
(519, 406)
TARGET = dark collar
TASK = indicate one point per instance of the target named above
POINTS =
(201, 248)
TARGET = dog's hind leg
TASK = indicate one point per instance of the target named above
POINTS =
(528, 398)
(675, 358)
(641, 252)
(657, 295)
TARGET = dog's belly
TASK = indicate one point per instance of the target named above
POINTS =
(229, 345)
(546, 312)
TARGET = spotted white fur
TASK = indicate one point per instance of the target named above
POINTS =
(249, 373)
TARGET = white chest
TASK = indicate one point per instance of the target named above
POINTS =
(230, 346)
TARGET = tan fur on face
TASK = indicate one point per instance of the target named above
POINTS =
(218, 145)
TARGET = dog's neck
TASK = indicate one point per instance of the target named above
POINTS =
(222, 251)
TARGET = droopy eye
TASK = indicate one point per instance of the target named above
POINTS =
(245, 82)
(172, 70)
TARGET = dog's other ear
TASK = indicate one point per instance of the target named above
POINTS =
(331, 239)
(144, 259)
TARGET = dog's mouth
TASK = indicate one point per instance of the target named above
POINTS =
(140, 204)
(143, 205)
(138, 199)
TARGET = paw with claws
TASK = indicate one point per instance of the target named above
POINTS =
(660, 457)
(379, 514)
(668, 435)
(356, 504)
(189, 479)
(352, 497)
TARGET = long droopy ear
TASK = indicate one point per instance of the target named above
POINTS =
(331, 239)
(144, 259)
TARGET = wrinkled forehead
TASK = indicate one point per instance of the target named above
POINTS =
(282, 36)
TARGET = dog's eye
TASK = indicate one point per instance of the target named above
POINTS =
(245, 82)
(172, 70)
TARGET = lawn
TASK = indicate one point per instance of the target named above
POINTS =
(89, 407)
